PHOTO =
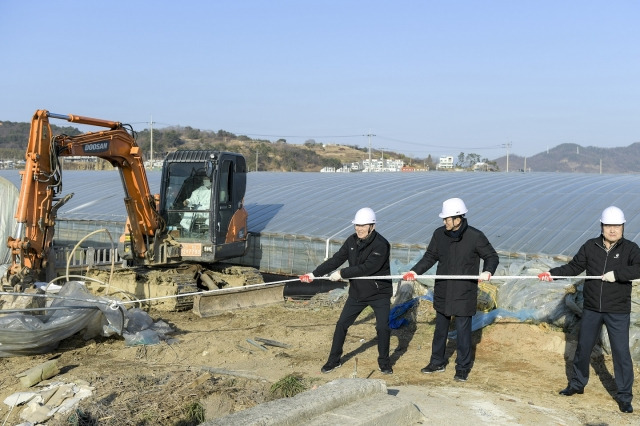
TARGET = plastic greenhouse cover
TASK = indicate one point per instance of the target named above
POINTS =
(24, 334)
(558, 302)
(534, 213)
(9, 196)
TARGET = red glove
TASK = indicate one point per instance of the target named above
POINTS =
(545, 276)
(409, 276)
(307, 278)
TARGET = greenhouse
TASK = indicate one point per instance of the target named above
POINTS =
(534, 220)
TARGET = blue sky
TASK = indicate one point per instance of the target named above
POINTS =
(426, 77)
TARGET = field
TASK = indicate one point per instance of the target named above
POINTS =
(210, 370)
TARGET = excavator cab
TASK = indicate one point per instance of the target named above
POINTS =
(201, 201)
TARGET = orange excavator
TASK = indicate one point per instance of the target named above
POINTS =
(198, 219)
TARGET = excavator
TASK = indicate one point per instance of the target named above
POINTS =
(197, 221)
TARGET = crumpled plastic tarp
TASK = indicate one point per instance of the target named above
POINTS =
(141, 330)
(26, 334)
(558, 302)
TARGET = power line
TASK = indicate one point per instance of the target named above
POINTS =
(298, 136)
(448, 147)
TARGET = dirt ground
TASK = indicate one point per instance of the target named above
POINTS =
(166, 384)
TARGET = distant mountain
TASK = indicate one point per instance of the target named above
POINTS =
(573, 158)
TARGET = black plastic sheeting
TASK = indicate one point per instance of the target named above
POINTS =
(300, 290)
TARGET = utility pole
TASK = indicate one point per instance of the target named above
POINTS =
(382, 158)
(151, 156)
(507, 145)
(256, 160)
(369, 135)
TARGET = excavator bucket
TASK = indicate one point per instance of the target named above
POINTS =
(220, 301)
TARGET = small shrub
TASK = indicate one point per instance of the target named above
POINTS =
(81, 418)
(290, 385)
(194, 415)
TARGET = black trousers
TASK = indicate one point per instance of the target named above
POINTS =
(353, 308)
(439, 345)
(618, 330)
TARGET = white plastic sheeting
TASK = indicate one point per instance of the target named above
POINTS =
(9, 196)
(26, 334)
(559, 302)
(76, 310)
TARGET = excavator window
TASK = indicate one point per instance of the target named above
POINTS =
(225, 183)
(188, 199)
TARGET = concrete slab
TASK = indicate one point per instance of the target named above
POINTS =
(458, 405)
(350, 402)
(302, 408)
(374, 410)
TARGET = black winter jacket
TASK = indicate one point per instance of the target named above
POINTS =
(368, 257)
(457, 254)
(602, 296)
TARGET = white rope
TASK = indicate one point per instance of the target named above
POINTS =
(217, 291)
(477, 277)
(273, 283)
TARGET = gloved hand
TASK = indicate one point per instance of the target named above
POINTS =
(307, 278)
(485, 276)
(609, 277)
(545, 276)
(409, 276)
(335, 276)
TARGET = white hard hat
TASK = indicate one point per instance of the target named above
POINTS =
(612, 216)
(364, 216)
(453, 207)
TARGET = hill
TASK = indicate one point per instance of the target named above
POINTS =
(265, 155)
(262, 155)
(572, 158)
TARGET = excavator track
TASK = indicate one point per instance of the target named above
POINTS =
(143, 283)
(234, 287)
(183, 285)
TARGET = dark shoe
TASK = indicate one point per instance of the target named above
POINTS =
(625, 407)
(330, 366)
(433, 369)
(568, 391)
(386, 369)
(461, 375)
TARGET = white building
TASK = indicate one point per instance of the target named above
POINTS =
(380, 165)
(445, 163)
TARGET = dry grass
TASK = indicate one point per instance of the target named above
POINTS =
(160, 398)
(290, 385)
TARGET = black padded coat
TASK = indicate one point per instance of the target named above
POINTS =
(457, 254)
(601, 296)
(367, 258)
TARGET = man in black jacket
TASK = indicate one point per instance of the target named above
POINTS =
(368, 255)
(457, 248)
(606, 301)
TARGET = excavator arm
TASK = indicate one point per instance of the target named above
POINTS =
(42, 183)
